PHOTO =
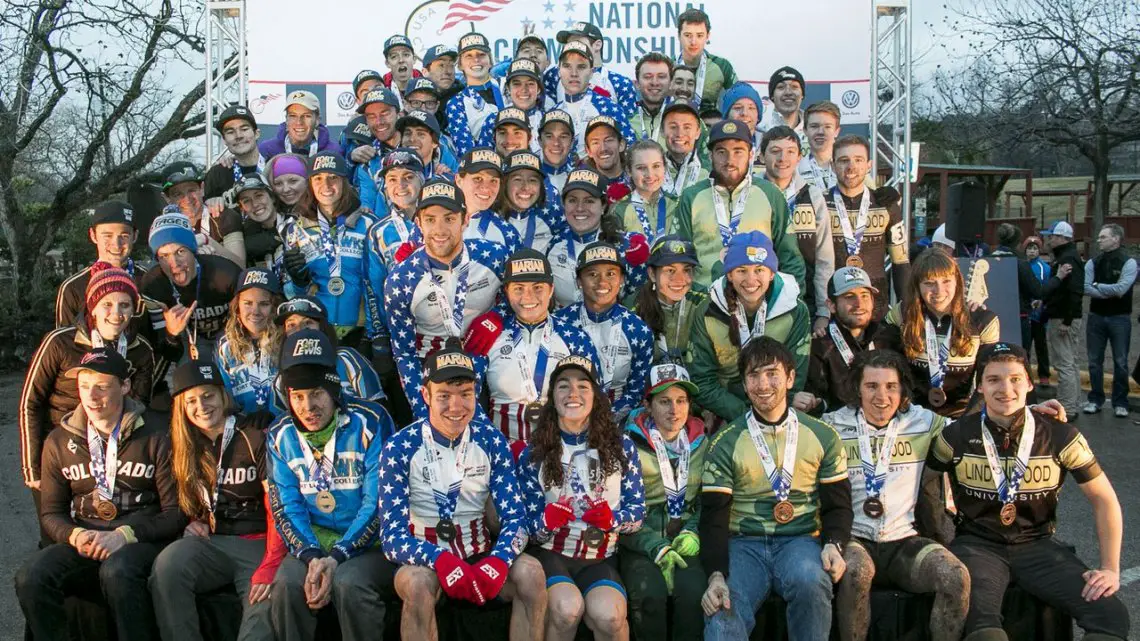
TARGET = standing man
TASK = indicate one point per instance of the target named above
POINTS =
(439, 66)
(302, 132)
(238, 129)
(605, 151)
(381, 110)
(556, 147)
(741, 102)
(822, 120)
(468, 110)
(786, 89)
(653, 72)
(582, 100)
(602, 81)
(775, 507)
(686, 159)
(219, 234)
(731, 203)
(1064, 305)
(400, 57)
(1108, 284)
(713, 73)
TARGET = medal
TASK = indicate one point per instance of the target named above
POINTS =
(107, 511)
(533, 410)
(936, 396)
(784, 512)
(673, 527)
(873, 507)
(336, 285)
(852, 236)
(326, 502)
(855, 261)
(1008, 514)
(593, 537)
(445, 530)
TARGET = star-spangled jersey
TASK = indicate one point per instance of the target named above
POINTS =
(505, 383)
(489, 225)
(362, 429)
(564, 264)
(358, 379)
(609, 84)
(626, 361)
(556, 176)
(368, 182)
(468, 112)
(813, 230)
(386, 236)
(534, 117)
(408, 503)
(623, 491)
(823, 178)
(417, 327)
(899, 494)
(250, 385)
(548, 221)
(584, 108)
(884, 241)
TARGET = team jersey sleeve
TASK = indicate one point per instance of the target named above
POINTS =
(942, 456)
(626, 94)
(34, 421)
(223, 364)
(399, 544)
(1074, 454)
(457, 125)
(799, 342)
(682, 223)
(366, 524)
(376, 273)
(169, 523)
(55, 496)
(290, 512)
(647, 541)
(719, 473)
(703, 366)
(824, 266)
(787, 249)
(360, 374)
(534, 499)
(833, 467)
(628, 519)
(550, 84)
(507, 497)
(579, 343)
(641, 359)
(636, 275)
(398, 290)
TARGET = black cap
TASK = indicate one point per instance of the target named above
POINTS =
(680, 105)
(102, 360)
(258, 278)
(379, 95)
(448, 364)
(193, 373)
(524, 67)
(474, 41)
(529, 37)
(574, 361)
(306, 306)
(511, 116)
(481, 158)
(729, 130)
(441, 191)
(419, 119)
(365, 75)
(238, 112)
(398, 40)
(112, 211)
(522, 159)
(989, 352)
(577, 47)
(421, 84)
(180, 172)
(250, 182)
(307, 347)
(328, 162)
(587, 29)
(357, 131)
(439, 51)
(598, 253)
(402, 157)
(528, 266)
(587, 180)
(556, 115)
(670, 250)
(782, 74)
(602, 121)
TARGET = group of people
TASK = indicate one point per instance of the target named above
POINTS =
(603, 350)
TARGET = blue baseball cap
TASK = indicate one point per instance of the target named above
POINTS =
(750, 248)
(439, 51)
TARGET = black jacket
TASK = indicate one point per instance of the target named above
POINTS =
(71, 299)
(1064, 298)
(1029, 288)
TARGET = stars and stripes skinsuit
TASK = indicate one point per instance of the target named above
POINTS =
(469, 111)
(624, 344)
(491, 226)
(603, 82)
(563, 255)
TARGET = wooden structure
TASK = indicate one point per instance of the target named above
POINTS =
(939, 177)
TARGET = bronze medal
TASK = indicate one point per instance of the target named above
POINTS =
(873, 507)
(336, 285)
(106, 510)
(673, 528)
(533, 409)
(445, 530)
(593, 537)
(855, 261)
(1008, 514)
(936, 396)
(326, 502)
(784, 512)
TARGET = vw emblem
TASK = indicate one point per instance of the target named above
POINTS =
(347, 101)
(850, 99)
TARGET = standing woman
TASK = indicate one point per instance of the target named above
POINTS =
(531, 202)
(648, 209)
(941, 336)
(260, 222)
(288, 175)
(660, 561)
(667, 300)
(219, 466)
(481, 179)
(248, 352)
(581, 482)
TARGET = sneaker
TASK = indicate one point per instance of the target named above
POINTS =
(1091, 408)
(1120, 412)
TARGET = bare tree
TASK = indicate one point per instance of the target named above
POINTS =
(86, 105)
(1055, 72)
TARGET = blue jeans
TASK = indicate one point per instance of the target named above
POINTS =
(789, 564)
(1099, 332)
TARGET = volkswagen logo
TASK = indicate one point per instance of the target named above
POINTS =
(347, 101)
(850, 99)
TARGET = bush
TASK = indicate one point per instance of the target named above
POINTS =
(24, 326)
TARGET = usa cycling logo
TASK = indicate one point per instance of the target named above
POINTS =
(850, 99)
(346, 100)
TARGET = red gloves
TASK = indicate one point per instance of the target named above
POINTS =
(556, 516)
(600, 516)
(491, 575)
(616, 191)
(457, 578)
(404, 250)
(482, 334)
(638, 252)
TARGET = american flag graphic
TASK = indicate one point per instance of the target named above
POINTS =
(471, 11)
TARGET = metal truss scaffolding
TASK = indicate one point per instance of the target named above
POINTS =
(890, 96)
(226, 74)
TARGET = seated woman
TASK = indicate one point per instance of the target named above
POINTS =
(941, 336)
(660, 561)
(581, 483)
(248, 352)
(666, 301)
(219, 466)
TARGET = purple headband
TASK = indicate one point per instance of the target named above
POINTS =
(286, 165)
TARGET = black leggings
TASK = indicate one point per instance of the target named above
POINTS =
(1033, 334)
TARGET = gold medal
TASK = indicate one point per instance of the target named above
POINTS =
(1008, 514)
(326, 502)
(784, 512)
(855, 261)
(936, 396)
(106, 510)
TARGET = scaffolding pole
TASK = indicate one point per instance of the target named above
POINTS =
(226, 75)
(890, 96)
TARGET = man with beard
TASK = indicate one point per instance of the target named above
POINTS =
(683, 85)
(380, 108)
(713, 74)
(604, 82)
(741, 102)
(238, 129)
(817, 168)
(653, 72)
(686, 155)
(471, 109)
(786, 90)
(356, 132)
(605, 149)
(302, 131)
(731, 203)
(511, 131)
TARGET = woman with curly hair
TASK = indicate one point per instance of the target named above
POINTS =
(581, 481)
(248, 352)
(941, 336)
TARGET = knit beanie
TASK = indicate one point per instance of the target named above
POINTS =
(285, 164)
(104, 279)
(735, 93)
(172, 227)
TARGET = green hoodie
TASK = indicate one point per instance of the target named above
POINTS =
(719, 75)
(713, 358)
(766, 211)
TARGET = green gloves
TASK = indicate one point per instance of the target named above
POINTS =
(668, 561)
(687, 544)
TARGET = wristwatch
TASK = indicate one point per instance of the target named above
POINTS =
(837, 544)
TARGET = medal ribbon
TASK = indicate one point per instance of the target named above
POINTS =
(445, 481)
(758, 324)
(728, 225)
(588, 238)
(98, 341)
(238, 173)
(330, 239)
(1007, 487)
(192, 333)
(937, 354)
(322, 469)
(675, 485)
(780, 478)
(104, 463)
(840, 343)
(312, 146)
(692, 167)
(227, 435)
(582, 494)
(875, 469)
(853, 239)
(638, 204)
(452, 317)
(533, 380)
(607, 350)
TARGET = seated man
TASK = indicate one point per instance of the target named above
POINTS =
(767, 507)
(890, 436)
(441, 473)
(1007, 514)
(324, 457)
(109, 503)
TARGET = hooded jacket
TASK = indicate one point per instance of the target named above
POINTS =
(145, 492)
(1064, 299)
(48, 395)
(276, 145)
(713, 358)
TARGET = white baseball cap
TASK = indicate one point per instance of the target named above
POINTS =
(941, 238)
(306, 99)
(1059, 228)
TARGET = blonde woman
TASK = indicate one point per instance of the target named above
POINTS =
(248, 352)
